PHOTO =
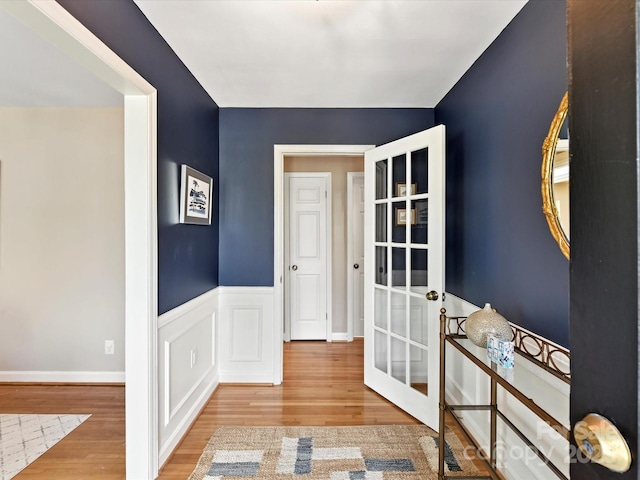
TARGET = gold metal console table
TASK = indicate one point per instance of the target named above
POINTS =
(530, 348)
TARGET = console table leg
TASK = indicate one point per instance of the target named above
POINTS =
(494, 421)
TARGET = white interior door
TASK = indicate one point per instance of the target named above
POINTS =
(404, 246)
(308, 254)
(355, 258)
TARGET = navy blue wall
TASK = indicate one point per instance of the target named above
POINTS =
(247, 137)
(187, 133)
(499, 248)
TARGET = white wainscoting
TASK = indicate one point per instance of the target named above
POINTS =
(187, 367)
(466, 384)
(246, 335)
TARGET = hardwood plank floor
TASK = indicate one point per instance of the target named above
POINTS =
(94, 449)
(322, 386)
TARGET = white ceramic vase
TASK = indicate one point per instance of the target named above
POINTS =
(485, 321)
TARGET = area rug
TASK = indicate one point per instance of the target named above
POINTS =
(389, 452)
(24, 438)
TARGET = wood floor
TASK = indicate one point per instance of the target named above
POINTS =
(95, 449)
(322, 386)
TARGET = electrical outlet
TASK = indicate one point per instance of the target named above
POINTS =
(194, 357)
(109, 347)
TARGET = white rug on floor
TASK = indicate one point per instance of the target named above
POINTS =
(23, 438)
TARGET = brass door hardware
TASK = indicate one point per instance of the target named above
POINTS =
(432, 295)
(602, 443)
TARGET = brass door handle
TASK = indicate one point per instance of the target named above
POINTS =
(432, 295)
(602, 443)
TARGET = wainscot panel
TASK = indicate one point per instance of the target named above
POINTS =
(188, 367)
(247, 329)
(466, 384)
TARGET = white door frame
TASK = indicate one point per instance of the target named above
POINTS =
(328, 269)
(350, 260)
(279, 152)
(55, 24)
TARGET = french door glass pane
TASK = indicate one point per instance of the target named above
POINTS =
(398, 267)
(380, 308)
(399, 313)
(399, 231)
(381, 265)
(419, 171)
(398, 359)
(419, 270)
(381, 222)
(399, 175)
(380, 350)
(418, 369)
(381, 179)
(418, 320)
(419, 228)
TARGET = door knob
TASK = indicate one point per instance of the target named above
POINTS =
(602, 443)
(432, 295)
(356, 266)
(294, 267)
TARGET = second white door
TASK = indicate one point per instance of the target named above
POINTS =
(308, 254)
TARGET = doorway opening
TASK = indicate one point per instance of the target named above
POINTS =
(298, 153)
(339, 170)
(58, 26)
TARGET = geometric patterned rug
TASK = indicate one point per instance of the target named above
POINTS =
(385, 452)
(23, 438)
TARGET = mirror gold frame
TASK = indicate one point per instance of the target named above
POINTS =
(548, 154)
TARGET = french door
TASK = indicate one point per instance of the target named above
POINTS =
(404, 249)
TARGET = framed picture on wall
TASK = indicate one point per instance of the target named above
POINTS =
(401, 189)
(196, 196)
(401, 216)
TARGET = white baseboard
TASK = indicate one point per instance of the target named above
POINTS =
(62, 377)
(340, 337)
(253, 377)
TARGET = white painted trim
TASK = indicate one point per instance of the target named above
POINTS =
(178, 312)
(244, 290)
(351, 176)
(175, 327)
(341, 337)
(61, 377)
(328, 253)
(286, 305)
(167, 448)
(245, 353)
(279, 151)
(54, 23)
(458, 307)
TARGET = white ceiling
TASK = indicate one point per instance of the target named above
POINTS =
(329, 53)
(34, 73)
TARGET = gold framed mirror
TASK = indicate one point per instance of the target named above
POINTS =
(555, 177)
